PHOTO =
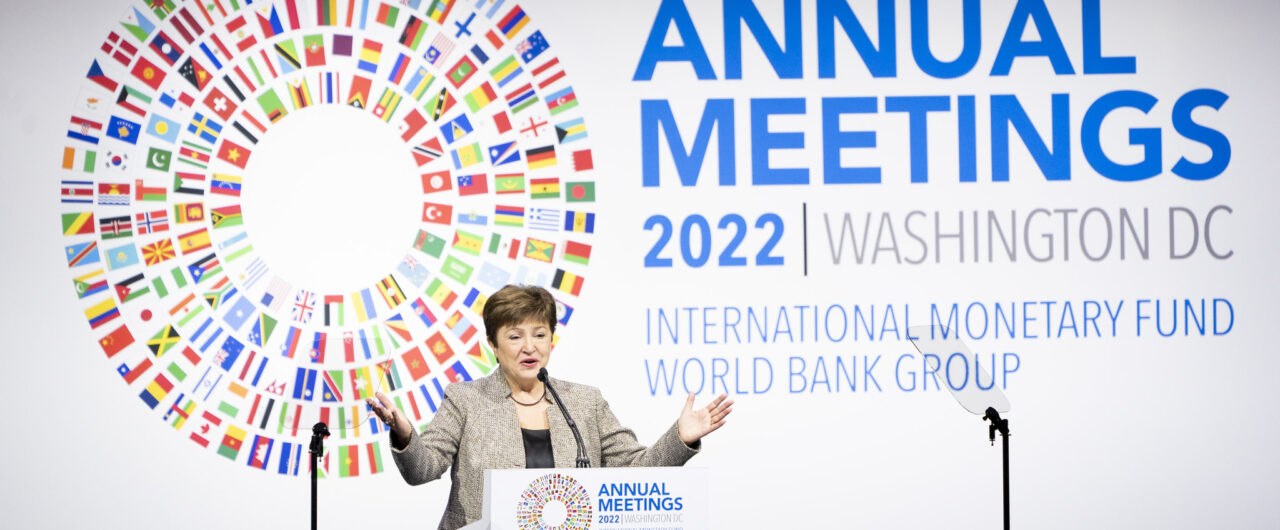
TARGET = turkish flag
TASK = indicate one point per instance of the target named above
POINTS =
(437, 213)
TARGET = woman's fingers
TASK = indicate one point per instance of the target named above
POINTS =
(716, 403)
(720, 412)
(383, 407)
(385, 401)
(714, 427)
(388, 407)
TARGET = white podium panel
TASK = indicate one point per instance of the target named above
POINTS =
(601, 498)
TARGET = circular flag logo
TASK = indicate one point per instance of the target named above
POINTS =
(554, 501)
(273, 210)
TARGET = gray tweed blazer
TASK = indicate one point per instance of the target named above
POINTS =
(477, 428)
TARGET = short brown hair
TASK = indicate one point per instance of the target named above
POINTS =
(515, 304)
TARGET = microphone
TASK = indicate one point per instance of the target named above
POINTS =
(583, 460)
(997, 424)
(319, 432)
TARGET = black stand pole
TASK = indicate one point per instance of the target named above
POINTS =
(582, 461)
(1001, 425)
(318, 433)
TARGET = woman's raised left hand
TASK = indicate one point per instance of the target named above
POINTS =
(694, 424)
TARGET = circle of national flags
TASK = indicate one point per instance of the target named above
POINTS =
(240, 360)
(554, 487)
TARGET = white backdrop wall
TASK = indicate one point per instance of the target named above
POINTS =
(1117, 426)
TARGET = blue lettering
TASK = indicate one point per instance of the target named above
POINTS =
(762, 141)
(869, 378)
(1173, 326)
(1049, 45)
(977, 373)
(1148, 138)
(1230, 317)
(967, 131)
(1008, 320)
(702, 376)
(1189, 315)
(717, 113)
(890, 322)
(964, 381)
(690, 50)
(843, 327)
(796, 371)
(881, 62)
(755, 375)
(897, 373)
(930, 372)
(719, 369)
(850, 375)
(949, 328)
(972, 47)
(1054, 164)
(1004, 379)
(1113, 315)
(968, 321)
(1027, 319)
(1211, 138)
(659, 378)
(1067, 314)
(1094, 62)
(782, 326)
(820, 376)
(834, 140)
(788, 63)
(732, 324)
(1091, 313)
(1141, 315)
(917, 109)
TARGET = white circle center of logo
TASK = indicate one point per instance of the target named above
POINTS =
(332, 197)
(554, 513)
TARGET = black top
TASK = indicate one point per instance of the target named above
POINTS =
(537, 448)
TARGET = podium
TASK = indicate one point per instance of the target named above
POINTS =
(598, 498)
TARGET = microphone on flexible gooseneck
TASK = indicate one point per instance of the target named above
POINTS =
(583, 460)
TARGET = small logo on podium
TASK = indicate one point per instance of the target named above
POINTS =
(554, 501)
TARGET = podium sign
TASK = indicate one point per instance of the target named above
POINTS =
(598, 498)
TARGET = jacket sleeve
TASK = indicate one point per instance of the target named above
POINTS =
(429, 454)
(619, 447)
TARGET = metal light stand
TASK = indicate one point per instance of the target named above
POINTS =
(318, 433)
(1001, 425)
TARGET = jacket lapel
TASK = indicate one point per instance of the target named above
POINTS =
(506, 425)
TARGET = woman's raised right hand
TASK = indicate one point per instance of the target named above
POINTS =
(396, 422)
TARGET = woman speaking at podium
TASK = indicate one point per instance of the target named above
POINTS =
(511, 418)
